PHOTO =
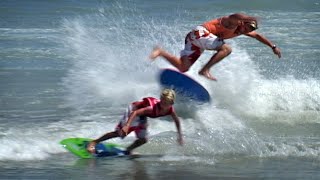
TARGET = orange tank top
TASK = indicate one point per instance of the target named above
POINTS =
(215, 27)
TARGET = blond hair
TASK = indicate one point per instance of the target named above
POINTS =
(168, 95)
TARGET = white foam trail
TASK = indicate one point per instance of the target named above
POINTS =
(104, 71)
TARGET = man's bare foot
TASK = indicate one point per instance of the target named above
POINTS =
(207, 74)
(155, 53)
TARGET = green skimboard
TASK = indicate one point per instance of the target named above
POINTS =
(78, 147)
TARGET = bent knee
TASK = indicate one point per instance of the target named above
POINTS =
(226, 49)
(186, 64)
(143, 140)
(183, 69)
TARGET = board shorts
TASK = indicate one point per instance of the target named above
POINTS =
(198, 40)
(138, 125)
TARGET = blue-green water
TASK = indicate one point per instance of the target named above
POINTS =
(69, 68)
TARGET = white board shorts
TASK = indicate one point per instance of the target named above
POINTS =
(198, 40)
(138, 125)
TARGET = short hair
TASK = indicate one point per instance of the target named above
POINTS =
(168, 95)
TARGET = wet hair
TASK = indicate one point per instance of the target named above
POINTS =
(168, 95)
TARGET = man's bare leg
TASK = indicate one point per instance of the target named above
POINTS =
(136, 144)
(224, 51)
(180, 64)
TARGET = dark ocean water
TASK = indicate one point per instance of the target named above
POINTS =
(68, 69)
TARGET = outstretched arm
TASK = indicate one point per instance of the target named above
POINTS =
(177, 123)
(265, 41)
